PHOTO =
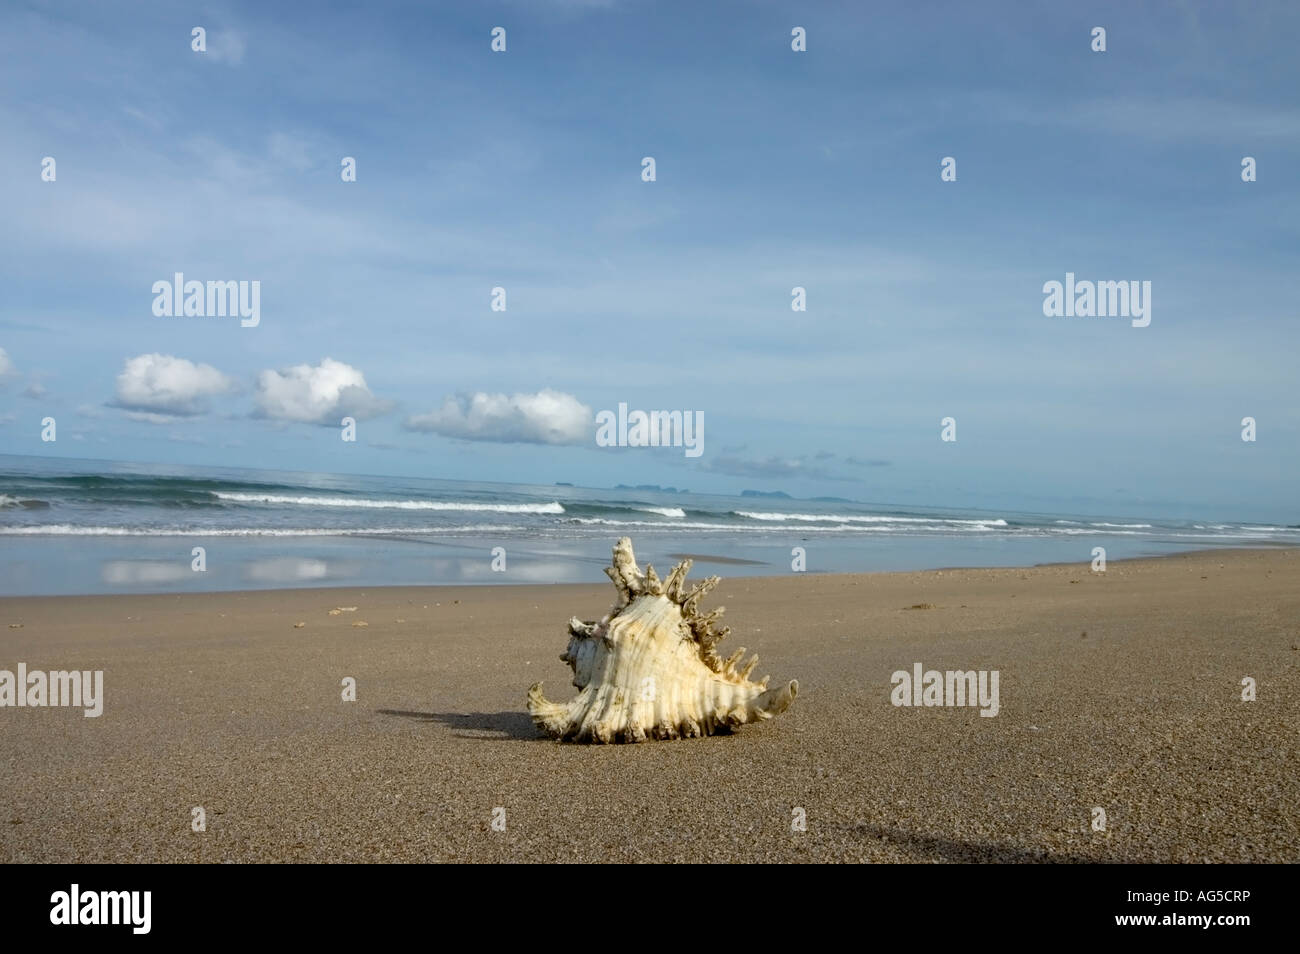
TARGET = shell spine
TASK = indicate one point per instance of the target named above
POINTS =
(650, 669)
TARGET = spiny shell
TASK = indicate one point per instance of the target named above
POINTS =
(649, 670)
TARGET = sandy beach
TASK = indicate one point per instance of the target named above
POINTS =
(1120, 691)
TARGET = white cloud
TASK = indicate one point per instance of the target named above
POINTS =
(323, 394)
(7, 369)
(547, 417)
(160, 384)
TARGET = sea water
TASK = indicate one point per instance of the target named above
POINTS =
(69, 527)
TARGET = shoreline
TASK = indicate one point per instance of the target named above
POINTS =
(700, 560)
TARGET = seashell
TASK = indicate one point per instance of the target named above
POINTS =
(649, 669)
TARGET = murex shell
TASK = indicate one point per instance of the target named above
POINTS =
(649, 670)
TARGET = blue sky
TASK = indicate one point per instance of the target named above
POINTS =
(774, 169)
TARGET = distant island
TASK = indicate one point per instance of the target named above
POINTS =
(655, 488)
(563, 483)
(772, 494)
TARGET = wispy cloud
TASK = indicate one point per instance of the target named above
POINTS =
(818, 466)
(1174, 118)
(768, 467)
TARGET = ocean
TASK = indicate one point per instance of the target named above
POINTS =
(80, 527)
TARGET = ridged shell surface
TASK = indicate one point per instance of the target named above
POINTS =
(649, 669)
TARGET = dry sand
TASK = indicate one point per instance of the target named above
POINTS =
(1119, 690)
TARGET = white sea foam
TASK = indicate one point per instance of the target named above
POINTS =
(68, 530)
(694, 525)
(663, 511)
(859, 518)
(796, 528)
(1084, 532)
(377, 504)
